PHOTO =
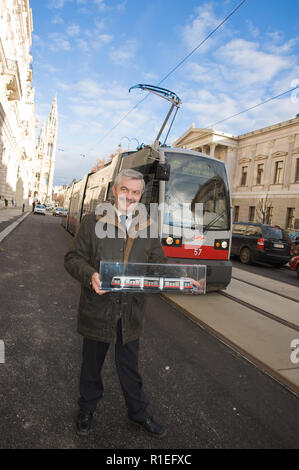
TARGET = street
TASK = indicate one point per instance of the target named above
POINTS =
(207, 395)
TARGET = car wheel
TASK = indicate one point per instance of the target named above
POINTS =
(245, 256)
(297, 271)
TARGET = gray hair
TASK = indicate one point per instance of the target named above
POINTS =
(131, 174)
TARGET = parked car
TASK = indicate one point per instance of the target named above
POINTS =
(49, 206)
(59, 211)
(39, 209)
(254, 242)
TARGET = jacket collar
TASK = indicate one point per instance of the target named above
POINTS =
(109, 214)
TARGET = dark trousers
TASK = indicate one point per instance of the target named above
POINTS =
(126, 360)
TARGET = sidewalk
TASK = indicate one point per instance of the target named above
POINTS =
(10, 218)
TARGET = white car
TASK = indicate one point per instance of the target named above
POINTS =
(39, 209)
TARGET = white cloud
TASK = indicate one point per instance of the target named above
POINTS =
(284, 48)
(73, 30)
(49, 68)
(199, 26)
(59, 42)
(125, 54)
(57, 20)
(247, 63)
(57, 4)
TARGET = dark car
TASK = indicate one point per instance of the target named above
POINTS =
(254, 242)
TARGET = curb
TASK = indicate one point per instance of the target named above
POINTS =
(11, 227)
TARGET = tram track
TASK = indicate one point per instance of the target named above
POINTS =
(244, 332)
(266, 289)
(260, 310)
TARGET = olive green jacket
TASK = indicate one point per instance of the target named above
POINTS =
(98, 314)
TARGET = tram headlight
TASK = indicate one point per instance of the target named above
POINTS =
(172, 241)
(221, 244)
(169, 240)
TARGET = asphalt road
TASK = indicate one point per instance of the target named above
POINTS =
(207, 395)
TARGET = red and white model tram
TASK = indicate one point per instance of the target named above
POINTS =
(156, 283)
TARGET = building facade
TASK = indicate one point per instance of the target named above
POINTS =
(263, 169)
(20, 159)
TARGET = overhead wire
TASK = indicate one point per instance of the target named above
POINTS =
(210, 127)
(173, 70)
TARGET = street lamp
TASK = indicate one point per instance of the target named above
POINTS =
(129, 140)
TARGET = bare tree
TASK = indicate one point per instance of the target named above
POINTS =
(99, 164)
(263, 210)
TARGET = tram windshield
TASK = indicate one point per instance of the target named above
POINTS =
(194, 179)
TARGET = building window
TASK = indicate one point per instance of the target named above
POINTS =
(278, 172)
(297, 172)
(290, 217)
(251, 213)
(236, 213)
(244, 175)
(260, 172)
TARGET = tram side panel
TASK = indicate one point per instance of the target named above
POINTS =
(76, 202)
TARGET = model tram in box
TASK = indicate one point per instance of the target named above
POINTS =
(161, 283)
(152, 277)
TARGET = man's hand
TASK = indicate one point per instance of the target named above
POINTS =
(95, 284)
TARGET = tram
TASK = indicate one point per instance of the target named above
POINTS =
(173, 177)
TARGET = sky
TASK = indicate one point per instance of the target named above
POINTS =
(90, 52)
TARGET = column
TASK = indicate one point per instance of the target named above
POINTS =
(288, 163)
(212, 149)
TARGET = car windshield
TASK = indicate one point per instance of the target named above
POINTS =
(40, 206)
(195, 179)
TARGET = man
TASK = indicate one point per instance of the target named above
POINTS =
(113, 317)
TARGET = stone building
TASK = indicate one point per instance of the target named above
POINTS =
(263, 169)
(19, 158)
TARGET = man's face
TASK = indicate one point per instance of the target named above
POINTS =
(127, 194)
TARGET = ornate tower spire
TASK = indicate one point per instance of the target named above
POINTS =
(46, 151)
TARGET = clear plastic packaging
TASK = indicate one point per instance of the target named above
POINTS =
(150, 278)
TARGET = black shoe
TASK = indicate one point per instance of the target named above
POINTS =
(83, 423)
(151, 427)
